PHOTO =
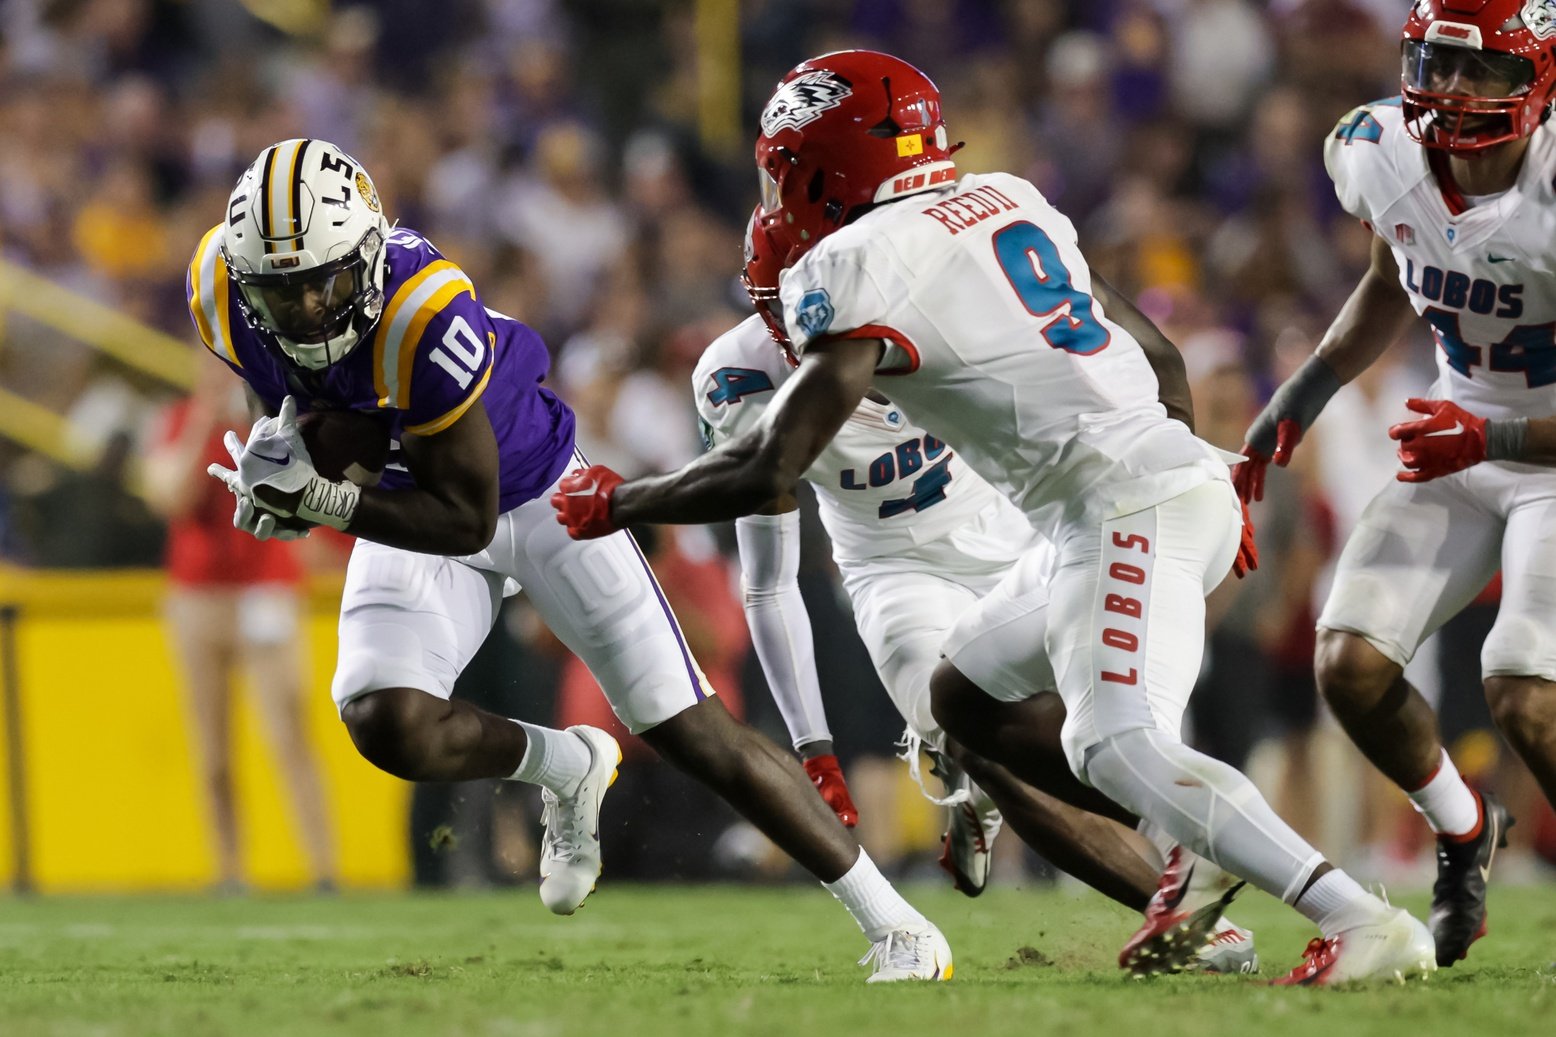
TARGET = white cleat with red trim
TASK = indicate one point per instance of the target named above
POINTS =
(1230, 951)
(1396, 947)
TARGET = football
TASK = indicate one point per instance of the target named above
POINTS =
(346, 444)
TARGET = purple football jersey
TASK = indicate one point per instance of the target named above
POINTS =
(434, 352)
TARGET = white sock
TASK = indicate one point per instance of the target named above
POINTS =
(557, 760)
(875, 903)
(1337, 902)
(1446, 802)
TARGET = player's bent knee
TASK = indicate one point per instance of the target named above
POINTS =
(387, 727)
(1522, 705)
(952, 697)
(1350, 670)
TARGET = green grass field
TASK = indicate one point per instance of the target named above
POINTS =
(642, 961)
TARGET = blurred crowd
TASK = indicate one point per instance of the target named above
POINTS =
(559, 151)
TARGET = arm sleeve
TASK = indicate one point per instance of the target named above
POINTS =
(780, 626)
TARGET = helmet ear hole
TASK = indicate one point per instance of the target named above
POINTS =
(814, 188)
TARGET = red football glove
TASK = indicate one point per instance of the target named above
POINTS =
(828, 778)
(1247, 559)
(583, 502)
(1448, 440)
(1248, 477)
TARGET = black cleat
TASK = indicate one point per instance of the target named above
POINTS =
(1459, 895)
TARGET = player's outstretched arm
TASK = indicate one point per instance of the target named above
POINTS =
(754, 469)
(1372, 319)
(1172, 377)
(453, 508)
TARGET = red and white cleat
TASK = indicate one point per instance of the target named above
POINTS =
(1175, 929)
(1230, 951)
(968, 844)
(1396, 947)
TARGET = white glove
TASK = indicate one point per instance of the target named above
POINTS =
(276, 459)
(261, 524)
(274, 455)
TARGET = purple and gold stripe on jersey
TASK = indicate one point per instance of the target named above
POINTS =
(413, 305)
(206, 289)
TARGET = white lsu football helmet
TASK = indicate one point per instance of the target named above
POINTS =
(304, 246)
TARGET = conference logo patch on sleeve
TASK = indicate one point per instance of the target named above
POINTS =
(815, 312)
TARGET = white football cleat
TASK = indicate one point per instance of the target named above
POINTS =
(968, 844)
(1395, 947)
(570, 849)
(1229, 952)
(912, 952)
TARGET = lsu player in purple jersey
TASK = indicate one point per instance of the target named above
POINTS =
(307, 293)
(972, 295)
(1456, 178)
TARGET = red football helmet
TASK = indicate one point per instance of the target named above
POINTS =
(844, 130)
(1477, 73)
(760, 276)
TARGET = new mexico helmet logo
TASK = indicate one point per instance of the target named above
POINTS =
(365, 189)
(803, 99)
(1540, 18)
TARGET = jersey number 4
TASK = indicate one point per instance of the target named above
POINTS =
(1031, 263)
(1530, 348)
(731, 383)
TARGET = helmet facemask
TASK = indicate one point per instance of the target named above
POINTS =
(317, 314)
(760, 277)
(1462, 99)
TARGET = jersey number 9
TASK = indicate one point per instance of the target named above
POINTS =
(1031, 263)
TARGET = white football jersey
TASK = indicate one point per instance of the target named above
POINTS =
(1481, 276)
(998, 347)
(884, 485)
